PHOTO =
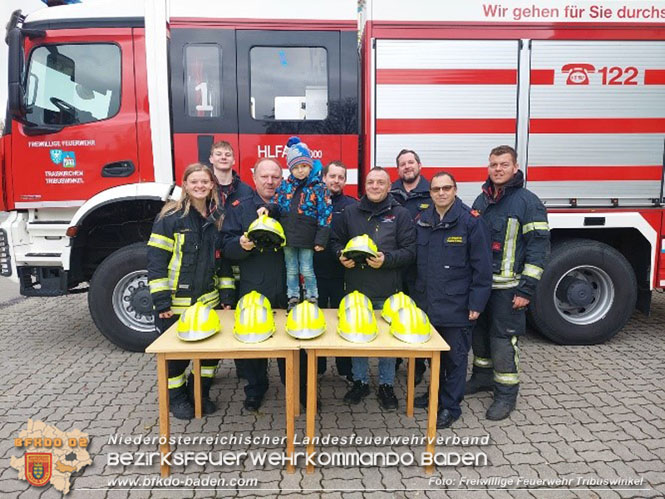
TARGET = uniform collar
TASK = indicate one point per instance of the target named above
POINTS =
(430, 218)
(421, 190)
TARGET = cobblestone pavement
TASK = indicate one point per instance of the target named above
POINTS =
(584, 413)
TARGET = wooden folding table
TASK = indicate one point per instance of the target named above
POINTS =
(330, 344)
(224, 346)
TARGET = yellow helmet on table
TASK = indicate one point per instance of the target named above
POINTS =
(360, 248)
(355, 299)
(253, 297)
(394, 303)
(197, 323)
(266, 233)
(411, 325)
(305, 321)
(356, 324)
(253, 323)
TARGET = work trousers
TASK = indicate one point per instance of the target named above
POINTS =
(495, 337)
(331, 292)
(452, 376)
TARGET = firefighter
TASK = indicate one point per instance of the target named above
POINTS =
(453, 285)
(231, 189)
(260, 270)
(182, 270)
(411, 190)
(520, 245)
(391, 228)
(329, 272)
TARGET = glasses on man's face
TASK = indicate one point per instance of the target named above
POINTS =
(442, 188)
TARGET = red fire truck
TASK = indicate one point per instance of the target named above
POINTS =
(108, 102)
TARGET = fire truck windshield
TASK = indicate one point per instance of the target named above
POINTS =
(73, 84)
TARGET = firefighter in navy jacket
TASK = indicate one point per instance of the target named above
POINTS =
(260, 270)
(390, 226)
(183, 269)
(411, 190)
(453, 284)
(520, 246)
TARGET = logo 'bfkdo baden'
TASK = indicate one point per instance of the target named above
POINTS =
(51, 455)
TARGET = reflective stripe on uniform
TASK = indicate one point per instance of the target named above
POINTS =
(157, 285)
(509, 248)
(511, 378)
(505, 285)
(532, 271)
(179, 305)
(482, 362)
(226, 283)
(506, 378)
(176, 261)
(208, 371)
(161, 242)
(177, 381)
(211, 299)
(544, 226)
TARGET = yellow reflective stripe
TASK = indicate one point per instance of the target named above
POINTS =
(177, 381)
(178, 310)
(500, 278)
(535, 226)
(509, 248)
(516, 357)
(505, 285)
(162, 242)
(208, 371)
(181, 301)
(211, 299)
(506, 378)
(532, 271)
(482, 362)
(157, 285)
(176, 261)
(226, 283)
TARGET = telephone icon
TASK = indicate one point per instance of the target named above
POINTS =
(578, 73)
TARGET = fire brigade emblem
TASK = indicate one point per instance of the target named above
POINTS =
(68, 159)
(56, 156)
(38, 468)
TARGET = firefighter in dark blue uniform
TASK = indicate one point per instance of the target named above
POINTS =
(329, 272)
(520, 245)
(261, 271)
(453, 284)
(183, 268)
(411, 190)
(231, 190)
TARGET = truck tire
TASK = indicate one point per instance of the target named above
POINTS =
(586, 294)
(119, 298)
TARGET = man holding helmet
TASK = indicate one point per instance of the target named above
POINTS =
(391, 229)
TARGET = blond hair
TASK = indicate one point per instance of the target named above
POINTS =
(184, 204)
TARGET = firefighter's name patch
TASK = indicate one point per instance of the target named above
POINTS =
(455, 240)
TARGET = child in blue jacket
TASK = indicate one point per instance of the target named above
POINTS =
(305, 212)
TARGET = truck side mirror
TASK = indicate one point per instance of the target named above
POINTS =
(15, 90)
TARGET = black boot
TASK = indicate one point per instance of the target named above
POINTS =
(422, 401)
(482, 379)
(207, 405)
(505, 398)
(179, 403)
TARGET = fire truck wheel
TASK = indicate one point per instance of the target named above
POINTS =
(586, 295)
(119, 298)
